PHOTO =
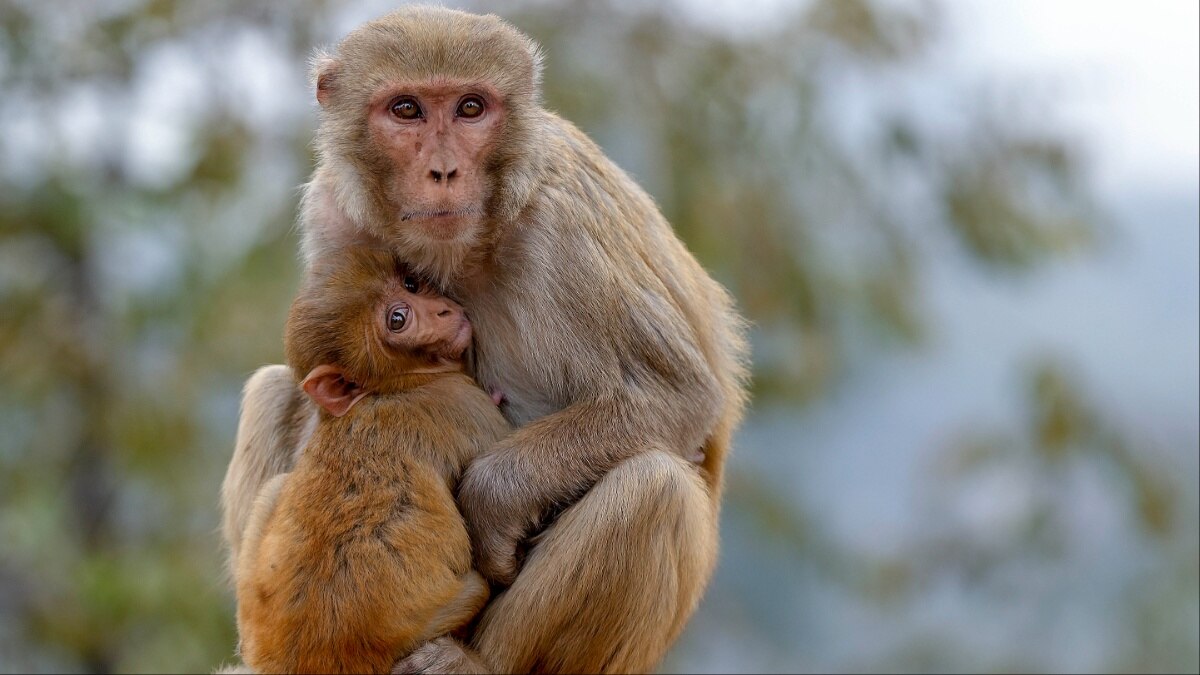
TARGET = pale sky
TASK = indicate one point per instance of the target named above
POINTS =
(1128, 73)
(1131, 73)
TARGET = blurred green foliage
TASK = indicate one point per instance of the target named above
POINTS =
(147, 258)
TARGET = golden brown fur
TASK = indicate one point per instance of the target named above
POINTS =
(359, 554)
(349, 567)
(619, 358)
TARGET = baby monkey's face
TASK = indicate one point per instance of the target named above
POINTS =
(413, 318)
(364, 324)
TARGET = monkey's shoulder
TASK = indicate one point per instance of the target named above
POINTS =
(453, 401)
(591, 173)
(450, 419)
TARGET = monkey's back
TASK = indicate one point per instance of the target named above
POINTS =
(365, 542)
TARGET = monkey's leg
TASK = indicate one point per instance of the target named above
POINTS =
(613, 580)
(276, 420)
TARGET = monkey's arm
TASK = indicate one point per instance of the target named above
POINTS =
(461, 609)
(550, 463)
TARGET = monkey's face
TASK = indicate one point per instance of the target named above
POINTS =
(363, 323)
(427, 132)
(429, 331)
(433, 139)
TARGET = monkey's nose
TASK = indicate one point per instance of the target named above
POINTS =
(437, 176)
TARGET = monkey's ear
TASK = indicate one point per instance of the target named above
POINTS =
(330, 389)
(324, 69)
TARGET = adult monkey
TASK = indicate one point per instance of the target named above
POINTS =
(620, 360)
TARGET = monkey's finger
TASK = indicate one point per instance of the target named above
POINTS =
(497, 559)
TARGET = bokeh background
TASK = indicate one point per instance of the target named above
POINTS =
(966, 235)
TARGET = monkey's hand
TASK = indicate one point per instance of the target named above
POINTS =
(441, 655)
(545, 466)
(511, 491)
(500, 510)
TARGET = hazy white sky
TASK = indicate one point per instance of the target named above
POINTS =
(1128, 73)
(1132, 72)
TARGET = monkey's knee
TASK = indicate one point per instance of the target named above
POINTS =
(658, 503)
(268, 383)
(272, 404)
(613, 580)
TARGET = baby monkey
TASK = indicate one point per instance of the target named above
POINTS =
(359, 554)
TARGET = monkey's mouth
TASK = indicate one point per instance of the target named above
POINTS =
(462, 339)
(437, 214)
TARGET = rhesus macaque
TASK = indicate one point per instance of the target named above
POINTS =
(359, 554)
(620, 360)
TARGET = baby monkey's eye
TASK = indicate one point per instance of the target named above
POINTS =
(397, 317)
(412, 284)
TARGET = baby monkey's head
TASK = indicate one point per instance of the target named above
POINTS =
(362, 324)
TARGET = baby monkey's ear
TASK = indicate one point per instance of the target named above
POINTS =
(331, 390)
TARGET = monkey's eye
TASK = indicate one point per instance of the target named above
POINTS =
(397, 318)
(472, 106)
(412, 284)
(406, 109)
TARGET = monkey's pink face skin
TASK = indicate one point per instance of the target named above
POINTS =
(413, 317)
(438, 135)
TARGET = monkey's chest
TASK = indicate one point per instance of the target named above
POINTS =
(513, 359)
